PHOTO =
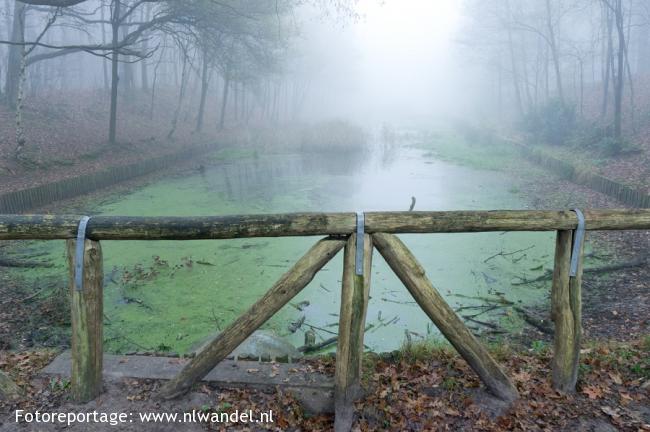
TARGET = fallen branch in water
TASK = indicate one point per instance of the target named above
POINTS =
(490, 300)
(505, 254)
(406, 302)
(325, 343)
(637, 262)
(483, 323)
(486, 309)
(8, 262)
(539, 324)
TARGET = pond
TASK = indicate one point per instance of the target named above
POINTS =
(164, 295)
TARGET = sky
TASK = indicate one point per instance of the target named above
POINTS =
(396, 63)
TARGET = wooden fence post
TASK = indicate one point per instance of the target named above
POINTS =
(87, 322)
(566, 312)
(410, 272)
(349, 350)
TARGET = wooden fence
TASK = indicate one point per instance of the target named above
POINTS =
(341, 229)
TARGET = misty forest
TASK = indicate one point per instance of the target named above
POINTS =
(358, 215)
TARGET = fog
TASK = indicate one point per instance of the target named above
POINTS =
(412, 62)
(397, 63)
(370, 61)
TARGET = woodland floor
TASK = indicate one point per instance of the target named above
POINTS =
(68, 136)
(632, 166)
(419, 389)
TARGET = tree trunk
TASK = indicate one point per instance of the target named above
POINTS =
(607, 59)
(628, 71)
(181, 95)
(144, 71)
(235, 99)
(620, 75)
(555, 55)
(127, 66)
(12, 81)
(7, 36)
(643, 50)
(153, 84)
(115, 26)
(20, 130)
(224, 101)
(104, 63)
(205, 81)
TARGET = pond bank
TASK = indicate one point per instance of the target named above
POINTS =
(615, 304)
(21, 200)
(150, 286)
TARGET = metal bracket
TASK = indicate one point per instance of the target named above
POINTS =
(79, 254)
(361, 222)
(578, 238)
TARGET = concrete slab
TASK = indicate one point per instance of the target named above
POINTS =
(228, 372)
(314, 389)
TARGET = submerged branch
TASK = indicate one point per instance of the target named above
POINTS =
(636, 262)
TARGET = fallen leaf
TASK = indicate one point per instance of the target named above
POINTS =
(616, 378)
(612, 412)
(593, 392)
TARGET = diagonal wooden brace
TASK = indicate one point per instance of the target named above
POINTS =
(413, 276)
(289, 285)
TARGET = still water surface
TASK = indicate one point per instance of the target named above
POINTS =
(173, 295)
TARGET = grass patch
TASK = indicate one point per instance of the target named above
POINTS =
(493, 155)
(628, 358)
(425, 350)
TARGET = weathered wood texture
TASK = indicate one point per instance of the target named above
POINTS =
(178, 228)
(87, 323)
(287, 287)
(48, 227)
(8, 389)
(352, 318)
(411, 273)
(566, 313)
(503, 220)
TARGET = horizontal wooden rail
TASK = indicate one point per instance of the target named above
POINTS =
(87, 303)
(48, 227)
